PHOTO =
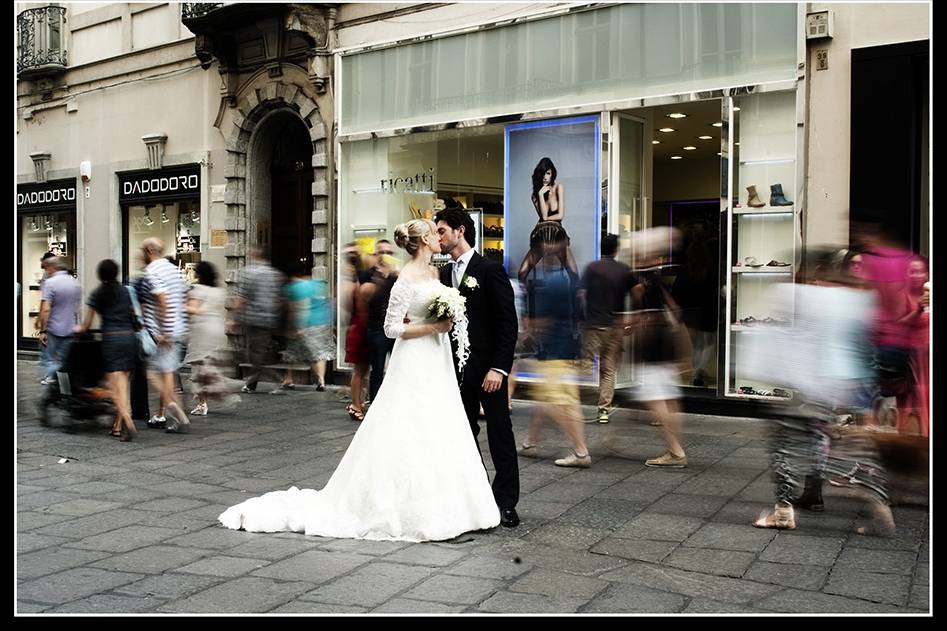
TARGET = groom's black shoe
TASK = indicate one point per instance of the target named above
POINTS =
(509, 518)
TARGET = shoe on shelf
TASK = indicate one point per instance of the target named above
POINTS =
(777, 198)
(751, 261)
(775, 263)
(753, 198)
(575, 460)
(668, 460)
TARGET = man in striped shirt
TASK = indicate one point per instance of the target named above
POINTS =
(163, 294)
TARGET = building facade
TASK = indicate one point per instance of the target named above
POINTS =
(310, 127)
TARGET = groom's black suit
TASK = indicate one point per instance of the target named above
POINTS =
(492, 330)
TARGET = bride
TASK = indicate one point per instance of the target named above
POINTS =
(411, 472)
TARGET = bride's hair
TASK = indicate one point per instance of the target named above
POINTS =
(408, 235)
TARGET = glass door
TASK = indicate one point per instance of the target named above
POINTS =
(626, 204)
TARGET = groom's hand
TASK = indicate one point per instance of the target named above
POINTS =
(493, 381)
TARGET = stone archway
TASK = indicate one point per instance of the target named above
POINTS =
(252, 109)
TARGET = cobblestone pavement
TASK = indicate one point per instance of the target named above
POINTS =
(131, 527)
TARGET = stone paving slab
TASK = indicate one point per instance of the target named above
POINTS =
(802, 550)
(30, 542)
(223, 566)
(151, 559)
(811, 577)
(883, 561)
(803, 601)
(490, 567)
(54, 560)
(126, 539)
(168, 586)
(687, 583)
(718, 562)
(558, 584)
(515, 602)
(634, 599)
(635, 549)
(660, 527)
(371, 585)
(857, 583)
(110, 603)
(314, 566)
(63, 587)
(730, 537)
(405, 605)
(241, 595)
(454, 590)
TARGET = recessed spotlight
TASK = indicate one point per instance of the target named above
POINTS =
(677, 158)
(737, 144)
(716, 124)
(667, 130)
(719, 154)
(676, 115)
(736, 109)
(689, 148)
(655, 142)
(705, 137)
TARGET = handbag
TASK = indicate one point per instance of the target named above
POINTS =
(146, 343)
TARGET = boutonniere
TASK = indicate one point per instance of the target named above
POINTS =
(470, 282)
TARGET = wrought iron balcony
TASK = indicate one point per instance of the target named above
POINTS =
(194, 10)
(41, 50)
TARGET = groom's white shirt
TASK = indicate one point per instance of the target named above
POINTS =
(460, 267)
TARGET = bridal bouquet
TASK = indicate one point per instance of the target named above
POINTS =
(448, 303)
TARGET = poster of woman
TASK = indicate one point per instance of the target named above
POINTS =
(552, 196)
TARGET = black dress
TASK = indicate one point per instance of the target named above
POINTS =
(119, 342)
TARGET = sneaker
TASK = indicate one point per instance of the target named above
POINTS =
(603, 416)
(283, 387)
(528, 451)
(177, 421)
(157, 422)
(200, 410)
(248, 389)
(574, 460)
(667, 460)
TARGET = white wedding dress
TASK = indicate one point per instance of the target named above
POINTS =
(412, 471)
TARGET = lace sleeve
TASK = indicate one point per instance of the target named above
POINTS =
(398, 303)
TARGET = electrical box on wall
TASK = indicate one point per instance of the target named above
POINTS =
(820, 25)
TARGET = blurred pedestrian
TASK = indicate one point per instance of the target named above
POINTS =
(914, 404)
(356, 341)
(61, 297)
(311, 340)
(207, 342)
(697, 292)
(383, 278)
(46, 264)
(163, 296)
(111, 302)
(604, 286)
(258, 309)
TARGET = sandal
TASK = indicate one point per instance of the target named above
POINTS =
(354, 413)
(775, 263)
(751, 261)
(781, 518)
(115, 432)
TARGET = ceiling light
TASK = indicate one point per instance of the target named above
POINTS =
(667, 130)
(195, 217)
(655, 142)
(689, 148)
(719, 154)
(736, 109)
(705, 137)
(147, 218)
(676, 115)
(33, 226)
(716, 124)
(677, 158)
(164, 217)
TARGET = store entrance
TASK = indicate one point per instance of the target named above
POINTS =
(666, 172)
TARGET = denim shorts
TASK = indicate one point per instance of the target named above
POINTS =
(167, 358)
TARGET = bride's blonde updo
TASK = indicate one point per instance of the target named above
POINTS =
(408, 235)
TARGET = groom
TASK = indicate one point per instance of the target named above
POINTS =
(492, 330)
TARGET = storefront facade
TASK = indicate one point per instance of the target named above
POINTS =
(462, 119)
(46, 222)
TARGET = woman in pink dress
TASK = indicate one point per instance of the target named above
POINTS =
(913, 406)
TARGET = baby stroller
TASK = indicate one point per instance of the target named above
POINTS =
(78, 394)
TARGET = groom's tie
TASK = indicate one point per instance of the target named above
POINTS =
(458, 273)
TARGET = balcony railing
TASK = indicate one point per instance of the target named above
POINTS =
(41, 50)
(192, 10)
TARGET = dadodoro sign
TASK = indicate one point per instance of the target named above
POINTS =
(46, 196)
(166, 184)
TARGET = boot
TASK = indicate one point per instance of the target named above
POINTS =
(776, 197)
(811, 498)
(754, 199)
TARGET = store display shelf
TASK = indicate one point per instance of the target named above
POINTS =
(757, 329)
(782, 271)
(758, 397)
(778, 210)
(767, 161)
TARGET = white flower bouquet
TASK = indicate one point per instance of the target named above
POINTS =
(448, 303)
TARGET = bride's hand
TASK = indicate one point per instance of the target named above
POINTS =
(443, 326)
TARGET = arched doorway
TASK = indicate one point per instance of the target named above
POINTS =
(291, 209)
(280, 160)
